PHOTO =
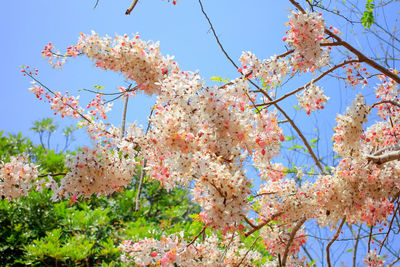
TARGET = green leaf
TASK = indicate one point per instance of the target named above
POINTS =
(368, 17)
(219, 79)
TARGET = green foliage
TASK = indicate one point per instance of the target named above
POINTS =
(368, 16)
(219, 79)
(12, 145)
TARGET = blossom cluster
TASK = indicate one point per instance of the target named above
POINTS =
(17, 177)
(387, 90)
(349, 129)
(354, 74)
(372, 259)
(306, 34)
(202, 135)
(272, 71)
(136, 59)
(96, 171)
(174, 250)
(312, 98)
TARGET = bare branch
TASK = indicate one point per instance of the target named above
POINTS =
(261, 225)
(131, 7)
(197, 236)
(291, 237)
(333, 240)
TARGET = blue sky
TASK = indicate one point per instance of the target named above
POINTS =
(255, 25)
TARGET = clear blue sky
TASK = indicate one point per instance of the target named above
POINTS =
(254, 25)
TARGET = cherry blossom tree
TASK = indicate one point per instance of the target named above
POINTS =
(205, 137)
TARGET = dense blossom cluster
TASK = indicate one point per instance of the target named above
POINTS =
(136, 59)
(203, 135)
(174, 250)
(312, 98)
(17, 177)
(388, 90)
(348, 131)
(355, 74)
(100, 109)
(96, 171)
(272, 71)
(306, 35)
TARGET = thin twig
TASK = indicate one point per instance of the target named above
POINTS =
(248, 222)
(333, 240)
(247, 252)
(97, 2)
(394, 103)
(215, 35)
(370, 237)
(197, 236)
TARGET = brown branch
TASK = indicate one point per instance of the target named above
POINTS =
(52, 174)
(261, 225)
(248, 222)
(364, 58)
(197, 236)
(314, 157)
(333, 240)
(291, 237)
(131, 7)
(394, 103)
(369, 238)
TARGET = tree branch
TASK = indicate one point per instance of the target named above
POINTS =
(333, 240)
(131, 7)
(292, 235)
(261, 225)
